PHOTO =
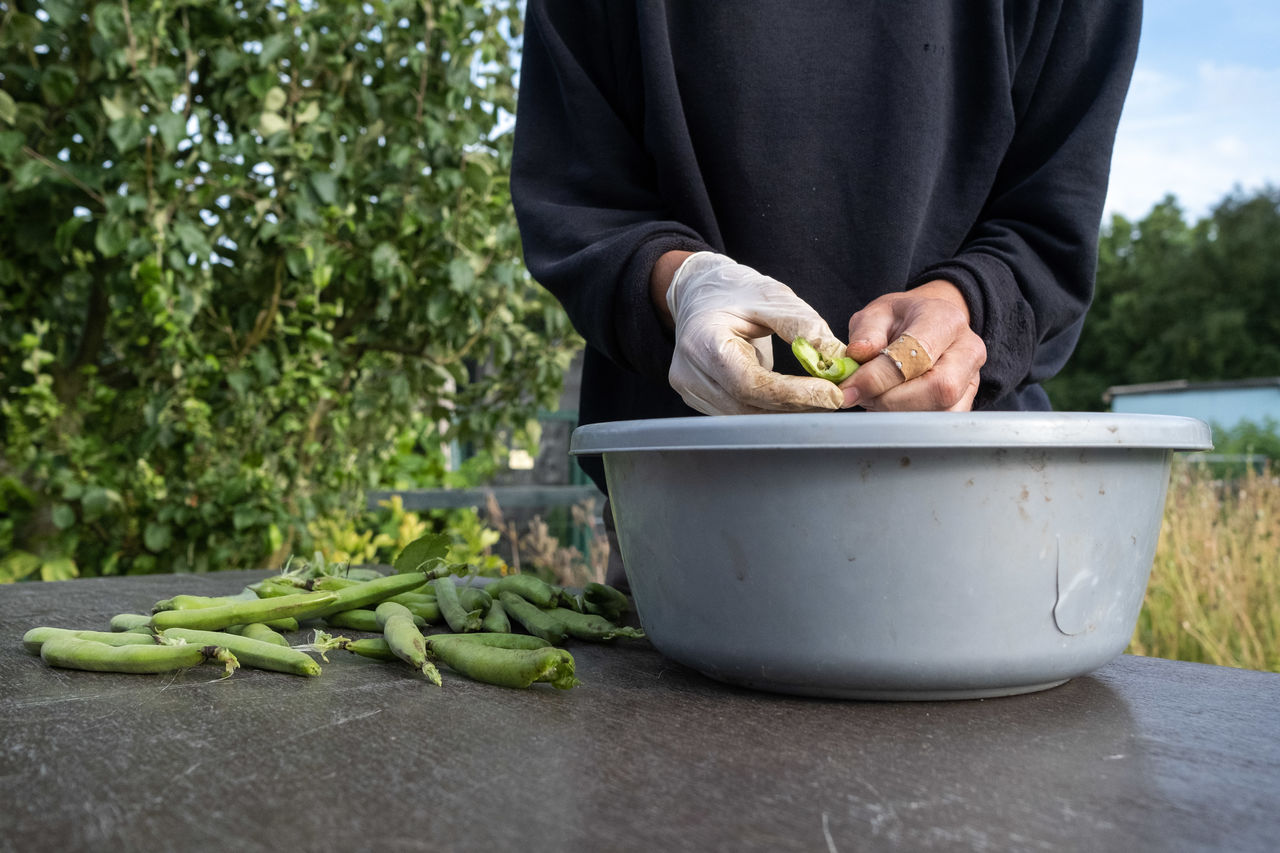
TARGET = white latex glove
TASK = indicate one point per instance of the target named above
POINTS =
(724, 313)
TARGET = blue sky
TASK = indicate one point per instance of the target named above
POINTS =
(1203, 113)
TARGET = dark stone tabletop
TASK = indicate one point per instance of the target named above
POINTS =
(645, 755)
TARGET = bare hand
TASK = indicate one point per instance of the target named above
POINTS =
(936, 315)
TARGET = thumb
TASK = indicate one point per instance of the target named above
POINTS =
(869, 331)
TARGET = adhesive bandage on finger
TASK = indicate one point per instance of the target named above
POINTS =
(909, 356)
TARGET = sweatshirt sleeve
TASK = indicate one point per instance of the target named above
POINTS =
(583, 187)
(1027, 266)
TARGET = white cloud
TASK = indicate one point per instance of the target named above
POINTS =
(1198, 133)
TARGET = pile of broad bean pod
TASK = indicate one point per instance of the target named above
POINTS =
(477, 635)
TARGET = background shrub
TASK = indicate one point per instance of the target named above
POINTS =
(252, 250)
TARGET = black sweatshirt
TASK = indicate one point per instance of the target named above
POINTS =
(848, 149)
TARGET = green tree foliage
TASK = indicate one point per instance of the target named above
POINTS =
(247, 246)
(1181, 301)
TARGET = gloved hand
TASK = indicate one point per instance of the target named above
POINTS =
(724, 313)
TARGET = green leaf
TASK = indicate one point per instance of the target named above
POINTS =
(239, 382)
(59, 569)
(97, 502)
(423, 552)
(20, 30)
(157, 536)
(115, 108)
(57, 85)
(108, 20)
(274, 100)
(461, 276)
(63, 516)
(309, 113)
(386, 263)
(62, 12)
(270, 123)
(11, 141)
(8, 109)
(13, 493)
(16, 565)
(64, 237)
(111, 237)
(258, 84)
(325, 186)
(29, 174)
(272, 46)
(126, 133)
(173, 129)
(191, 239)
(162, 80)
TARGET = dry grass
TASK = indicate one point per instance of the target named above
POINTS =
(1214, 594)
(539, 551)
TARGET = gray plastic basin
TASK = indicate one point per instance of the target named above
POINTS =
(890, 555)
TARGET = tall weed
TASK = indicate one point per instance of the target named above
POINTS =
(1214, 593)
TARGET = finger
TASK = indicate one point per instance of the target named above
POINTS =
(764, 351)
(776, 392)
(714, 401)
(951, 385)
(881, 373)
(745, 379)
(727, 377)
(702, 393)
(965, 404)
(790, 320)
(870, 330)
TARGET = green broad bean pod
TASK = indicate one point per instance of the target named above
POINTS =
(505, 667)
(404, 639)
(277, 587)
(459, 619)
(201, 602)
(498, 641)
(300, 606)
(36, 637)
(71, 652)
(360, 574)
(333, 584)
(603, 600)
(187, 602)
(495, 620)
(371, 593)
(362, 620)
(414, 597)
(250, 652)
(474, 598)
(587, 626)
(130, 622)
(259, 631)
(529, 587)
(426, 612)
(535, 620)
